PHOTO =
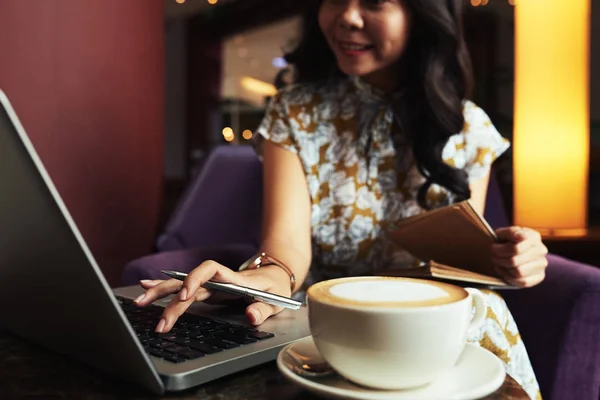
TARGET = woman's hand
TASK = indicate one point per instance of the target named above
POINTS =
(520, 257)
(265, 278)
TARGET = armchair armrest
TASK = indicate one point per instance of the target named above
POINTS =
(148, 267)
(559, 321)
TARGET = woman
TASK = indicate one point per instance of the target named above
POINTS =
(377, 128)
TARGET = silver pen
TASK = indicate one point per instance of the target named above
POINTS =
(243, 291)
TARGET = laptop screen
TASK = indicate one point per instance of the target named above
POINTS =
(53, 292)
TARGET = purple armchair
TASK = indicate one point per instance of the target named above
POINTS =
(219, 218)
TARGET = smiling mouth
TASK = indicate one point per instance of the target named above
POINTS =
(354, 48)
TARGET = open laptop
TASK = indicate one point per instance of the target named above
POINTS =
(54, 294)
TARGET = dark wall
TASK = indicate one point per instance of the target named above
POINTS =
(86, 79)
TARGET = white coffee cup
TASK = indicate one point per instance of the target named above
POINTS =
(392, 333)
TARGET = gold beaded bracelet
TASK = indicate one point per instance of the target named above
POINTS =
(262, 260)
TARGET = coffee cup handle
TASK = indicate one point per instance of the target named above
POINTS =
(480, 308)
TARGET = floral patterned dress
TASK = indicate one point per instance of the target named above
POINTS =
(362, 179)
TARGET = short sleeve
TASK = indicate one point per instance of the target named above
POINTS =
(477, 146)
(275, 126)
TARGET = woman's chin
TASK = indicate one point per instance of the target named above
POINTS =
(358, 67)
(353, 70)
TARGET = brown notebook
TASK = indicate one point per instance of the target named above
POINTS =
(453, 242)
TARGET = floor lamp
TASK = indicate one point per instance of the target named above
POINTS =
(551, 125)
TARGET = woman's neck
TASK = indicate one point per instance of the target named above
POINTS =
(387, 79)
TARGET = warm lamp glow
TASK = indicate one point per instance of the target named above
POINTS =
(247, 134)
(228, 134)
(258, 86)
(551, 127)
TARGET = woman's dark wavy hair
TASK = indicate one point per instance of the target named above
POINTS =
(438, 64)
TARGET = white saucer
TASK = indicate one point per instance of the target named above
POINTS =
(477, 374)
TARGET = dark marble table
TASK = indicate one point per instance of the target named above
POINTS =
(30, 372)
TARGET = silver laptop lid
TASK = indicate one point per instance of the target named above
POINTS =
(51, 288)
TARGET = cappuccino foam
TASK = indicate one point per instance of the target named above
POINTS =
(386, 292)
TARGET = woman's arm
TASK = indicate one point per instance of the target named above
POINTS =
(479, 192)
(286, 228)
(285, 236)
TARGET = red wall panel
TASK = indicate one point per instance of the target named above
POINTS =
(87, 80)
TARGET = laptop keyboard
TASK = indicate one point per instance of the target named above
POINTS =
(192, 336)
